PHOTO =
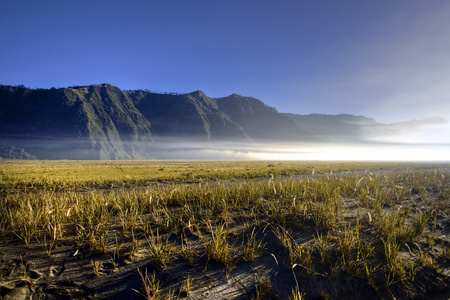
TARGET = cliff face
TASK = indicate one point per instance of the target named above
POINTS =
(188, 116)
(94, 122)
(114, 126)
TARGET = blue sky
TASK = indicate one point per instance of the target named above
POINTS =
(387, 59)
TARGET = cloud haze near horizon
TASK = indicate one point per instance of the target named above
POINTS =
(384, 149)
(305, 151)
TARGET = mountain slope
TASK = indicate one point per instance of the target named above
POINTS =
(114, 124)
(344, 127)
(194, 116)
(95, 122)
(261, 122)
(41, 119)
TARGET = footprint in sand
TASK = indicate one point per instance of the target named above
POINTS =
(56, 271)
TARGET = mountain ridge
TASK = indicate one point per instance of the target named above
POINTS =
(105, 122)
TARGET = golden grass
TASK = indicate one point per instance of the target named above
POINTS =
(84, 173)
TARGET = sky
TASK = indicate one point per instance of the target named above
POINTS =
(385, 59)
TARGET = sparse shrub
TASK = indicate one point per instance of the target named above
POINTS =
(251, 248)
(150, 286)
(218, 248)
(160, 250)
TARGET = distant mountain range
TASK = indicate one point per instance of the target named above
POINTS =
(104, 122)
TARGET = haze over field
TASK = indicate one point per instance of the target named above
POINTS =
(385, 60)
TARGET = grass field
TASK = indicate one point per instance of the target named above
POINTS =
(88, 173)
(224, 230)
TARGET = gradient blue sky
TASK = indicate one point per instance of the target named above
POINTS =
(387, 59)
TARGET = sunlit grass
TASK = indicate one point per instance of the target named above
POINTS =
(85, 173)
